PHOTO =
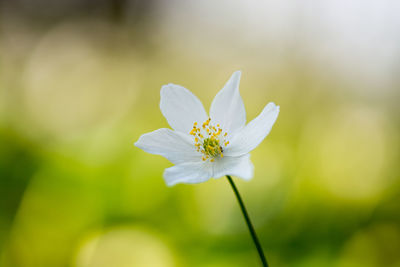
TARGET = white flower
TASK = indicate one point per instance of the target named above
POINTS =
(204, 146)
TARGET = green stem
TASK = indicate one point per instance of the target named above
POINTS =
(248, 222)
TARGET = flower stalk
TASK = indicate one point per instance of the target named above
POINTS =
(248, 222)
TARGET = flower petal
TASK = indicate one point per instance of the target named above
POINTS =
(238, 166)
(188, 173)
(198, 172)
(181, 108)
(227, 108)
(175, 146)
(251, 136)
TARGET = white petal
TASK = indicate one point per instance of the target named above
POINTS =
(175, 146)
(181, 108)
(252, 135)
(227, 108)
(236, 166)
(188, 173)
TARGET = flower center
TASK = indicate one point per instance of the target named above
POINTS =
(209, 140)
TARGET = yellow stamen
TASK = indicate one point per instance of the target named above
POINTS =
(209, 145)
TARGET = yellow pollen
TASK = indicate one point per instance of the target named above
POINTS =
(209, 145)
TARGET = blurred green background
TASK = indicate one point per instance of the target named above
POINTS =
(80, 81)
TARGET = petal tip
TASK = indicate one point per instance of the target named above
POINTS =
(169, 182)
(140, 142)
(170, 87)
(236, 76)
(138, 145)
(237, 73)
(164, 88)
(273, 106)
